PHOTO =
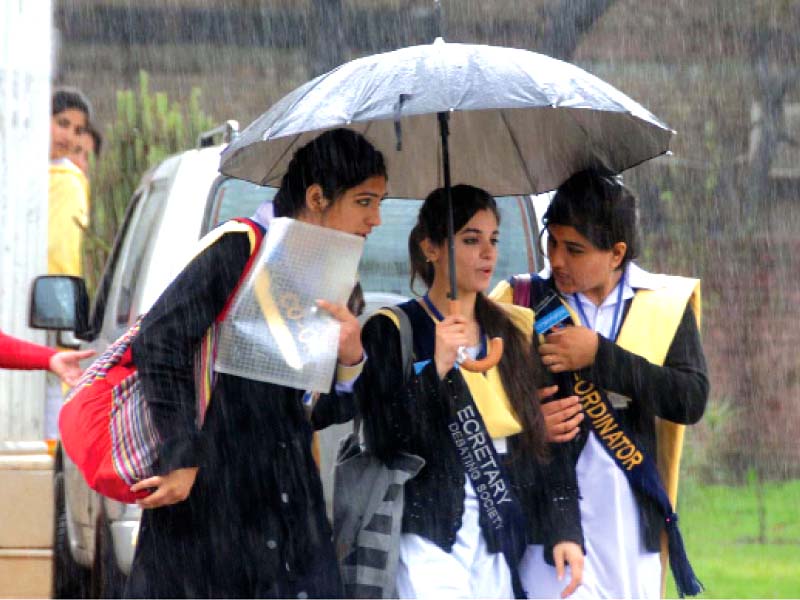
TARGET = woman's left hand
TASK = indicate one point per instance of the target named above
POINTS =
(569, 349)
(350, 349)
(569, 553)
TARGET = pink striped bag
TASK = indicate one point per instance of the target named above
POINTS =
(106, 426)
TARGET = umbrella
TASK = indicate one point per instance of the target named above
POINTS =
(507, 120)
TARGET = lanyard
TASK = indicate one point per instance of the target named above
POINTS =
(440, 317)
(617, 310)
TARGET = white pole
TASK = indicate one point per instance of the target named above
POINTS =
(25, 56)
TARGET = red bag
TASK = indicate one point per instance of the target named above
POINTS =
(105, 423)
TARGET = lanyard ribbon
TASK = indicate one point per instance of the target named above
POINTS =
(637, 466)
(499, 509)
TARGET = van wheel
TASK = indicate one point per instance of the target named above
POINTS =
(108, 580)
(70, 580)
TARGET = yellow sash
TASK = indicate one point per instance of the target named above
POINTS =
(488, 391)
(648, 331)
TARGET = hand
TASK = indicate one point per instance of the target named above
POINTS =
(171, 488)
(350, 349)
(569, 349)
(67, 365)
(451, 334)
(569, 553)
(561, 417)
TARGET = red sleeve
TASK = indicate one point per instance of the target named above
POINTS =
(19, 354)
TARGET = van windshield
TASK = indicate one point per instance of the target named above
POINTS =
(384, 265)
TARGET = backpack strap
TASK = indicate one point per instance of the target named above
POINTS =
(521, 285)
(207, 352)
(406, 340)
(255, 235)
(400, 318)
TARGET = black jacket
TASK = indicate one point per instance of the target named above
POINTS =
(412, 416)
(254, 524)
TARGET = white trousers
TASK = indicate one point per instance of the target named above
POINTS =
(468, 571)
(617, 565)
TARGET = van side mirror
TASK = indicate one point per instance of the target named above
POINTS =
(59, 302)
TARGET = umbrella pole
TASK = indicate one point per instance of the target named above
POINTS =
(444, 131)
(495, 350)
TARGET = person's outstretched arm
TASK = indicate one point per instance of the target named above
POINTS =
(19, 354)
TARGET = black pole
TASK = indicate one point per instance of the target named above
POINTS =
(444, 130)
(439, 18)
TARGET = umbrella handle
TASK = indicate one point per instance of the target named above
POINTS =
(494, 352)
(493, 356)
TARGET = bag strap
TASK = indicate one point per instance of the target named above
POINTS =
(406, 352)
(207, 353)
(406, 341)
(256, 236)
(521, 286)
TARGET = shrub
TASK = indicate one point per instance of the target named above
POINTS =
(148, 128)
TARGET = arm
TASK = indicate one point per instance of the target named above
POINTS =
(19, 354)
(395, 411)
(171, 332)
(678, 391)
(338, 406)
(561, 513)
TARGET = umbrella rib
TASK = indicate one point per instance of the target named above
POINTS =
(531, 179)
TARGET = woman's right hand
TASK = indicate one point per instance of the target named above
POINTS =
(562, 417)
(569, 553)
(451, 334)
(169, 489)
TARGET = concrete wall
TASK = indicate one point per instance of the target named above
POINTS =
(26, 504)
(24, 140)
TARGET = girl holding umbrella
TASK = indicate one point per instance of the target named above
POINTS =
(237, 507)
(480, 496)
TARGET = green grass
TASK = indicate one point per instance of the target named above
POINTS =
(720, 528)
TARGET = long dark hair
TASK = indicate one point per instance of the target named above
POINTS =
(600, 208)
(519, 371)
(336, 160)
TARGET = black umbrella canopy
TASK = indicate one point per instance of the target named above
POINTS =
(506, 120)
(520, 122)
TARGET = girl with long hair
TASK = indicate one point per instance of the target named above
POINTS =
(489, 485)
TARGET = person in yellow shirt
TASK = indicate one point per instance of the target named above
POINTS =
(89, 145)
(68, 211)
(69, 187)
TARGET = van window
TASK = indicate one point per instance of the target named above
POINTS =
(136, 250)
(237, 198)
(385, 267)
